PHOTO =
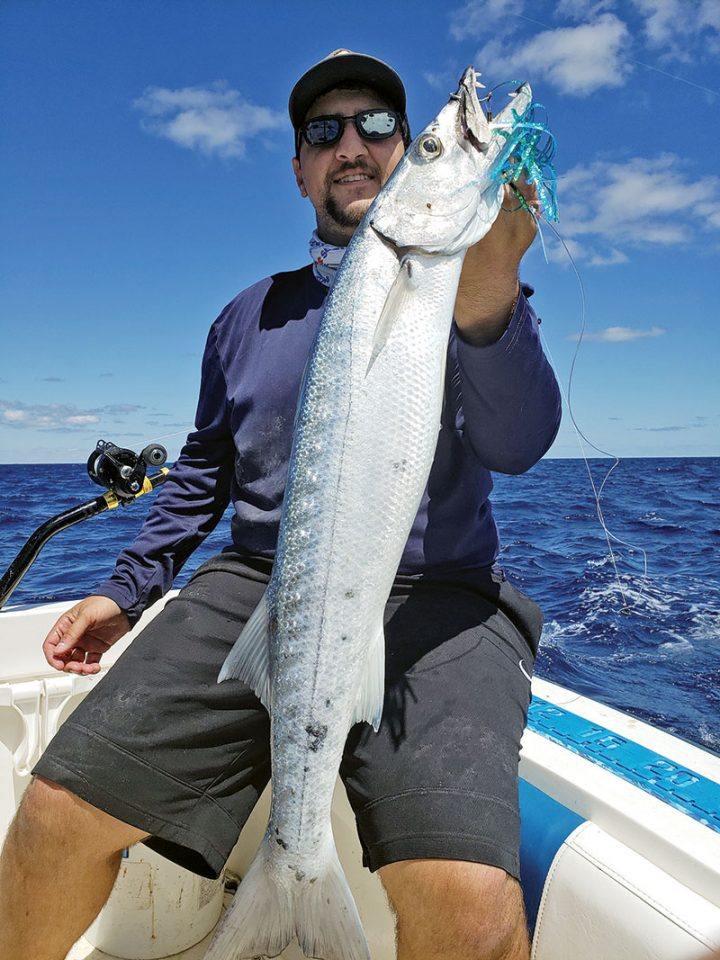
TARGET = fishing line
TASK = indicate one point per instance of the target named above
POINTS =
(597, 491)
(178, 433)
(529, 151)
(165, 436)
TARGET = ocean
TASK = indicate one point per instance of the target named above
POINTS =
(639, 631)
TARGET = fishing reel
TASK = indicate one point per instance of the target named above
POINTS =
(122, 470)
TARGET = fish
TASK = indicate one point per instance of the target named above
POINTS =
(365, 435)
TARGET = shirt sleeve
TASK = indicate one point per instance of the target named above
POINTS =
(510, 397)
(188, 505)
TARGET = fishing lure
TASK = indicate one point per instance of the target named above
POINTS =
(529, 149)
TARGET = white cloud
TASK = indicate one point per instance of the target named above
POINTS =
(607, 260)
(680, 30)
(215, 120)
(81, 420)
(583, 9)
(673, 429)
(619, 334)
(50, 416)
(595, 54)
(111, 408)
(560, 253)
(445, 80)
(56, 416)
(476, 17)
(576, 60)
(660, 16)
(641, 201)
(711, 213)
(709, 14)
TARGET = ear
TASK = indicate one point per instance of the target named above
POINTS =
(297, 170)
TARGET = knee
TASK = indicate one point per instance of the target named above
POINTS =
(462, 909)
(50, 815)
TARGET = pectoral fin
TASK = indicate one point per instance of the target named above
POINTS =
(249, 659)
(403, 285)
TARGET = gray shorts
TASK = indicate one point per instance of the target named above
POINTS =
(160, 745)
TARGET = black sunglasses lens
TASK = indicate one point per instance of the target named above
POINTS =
(372, 124)
(322, 130)
(377, 124)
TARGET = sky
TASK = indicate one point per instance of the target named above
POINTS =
(146, 179)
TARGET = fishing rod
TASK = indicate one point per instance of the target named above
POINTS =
(122, 471)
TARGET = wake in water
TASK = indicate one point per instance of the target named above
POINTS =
(661, 660)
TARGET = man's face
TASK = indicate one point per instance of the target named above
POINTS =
(343, 178)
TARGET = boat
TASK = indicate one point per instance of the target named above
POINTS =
(620, 853)
(620, 835)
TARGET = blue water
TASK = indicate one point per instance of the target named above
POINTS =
(648, 644)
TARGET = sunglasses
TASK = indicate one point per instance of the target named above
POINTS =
(370, 124)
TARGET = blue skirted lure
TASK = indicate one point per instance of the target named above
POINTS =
(529, 149)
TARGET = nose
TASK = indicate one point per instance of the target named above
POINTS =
(351, 145)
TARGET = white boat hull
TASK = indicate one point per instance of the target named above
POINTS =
(617, 863)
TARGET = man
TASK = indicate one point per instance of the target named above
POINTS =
(159, 752)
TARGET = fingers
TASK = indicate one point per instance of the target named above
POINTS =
(78, 660)
(71, 646)
(61, 640)
(82, 664)
(521, 196)
(82, 634)
(527, 193)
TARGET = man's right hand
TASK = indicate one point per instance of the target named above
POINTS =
(83, 634)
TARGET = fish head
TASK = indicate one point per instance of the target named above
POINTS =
(442, 197)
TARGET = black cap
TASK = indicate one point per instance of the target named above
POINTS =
(343, 66)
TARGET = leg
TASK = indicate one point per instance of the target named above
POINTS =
(159, 745)
(57, 869)
(435, 791)
(453, 910)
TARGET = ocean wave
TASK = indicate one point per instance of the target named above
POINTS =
(677, 646)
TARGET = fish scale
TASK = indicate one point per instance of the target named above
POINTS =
(365, 436)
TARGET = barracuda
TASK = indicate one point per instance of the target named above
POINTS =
(365, 435)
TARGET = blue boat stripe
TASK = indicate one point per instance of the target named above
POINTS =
(545, 824)
(691, 793)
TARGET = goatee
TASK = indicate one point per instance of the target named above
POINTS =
(343, 217)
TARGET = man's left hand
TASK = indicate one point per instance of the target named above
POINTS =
(489, 285)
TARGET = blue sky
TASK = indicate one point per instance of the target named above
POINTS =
(145, 163)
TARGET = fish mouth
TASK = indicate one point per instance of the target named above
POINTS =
(473, 126)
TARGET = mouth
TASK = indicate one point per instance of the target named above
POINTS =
(474, 127)
(353, 178)
(352, 174)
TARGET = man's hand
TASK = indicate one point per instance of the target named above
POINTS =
(83, 634)
(489, 281)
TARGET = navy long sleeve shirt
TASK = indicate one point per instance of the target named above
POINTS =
(501, 412)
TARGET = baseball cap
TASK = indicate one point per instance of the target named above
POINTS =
(343, 66)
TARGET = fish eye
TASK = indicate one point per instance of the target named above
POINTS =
(429, 147)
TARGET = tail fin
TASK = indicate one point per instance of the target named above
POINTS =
(265, 915)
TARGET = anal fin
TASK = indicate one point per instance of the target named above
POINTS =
(249, 659)
(371, 693)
